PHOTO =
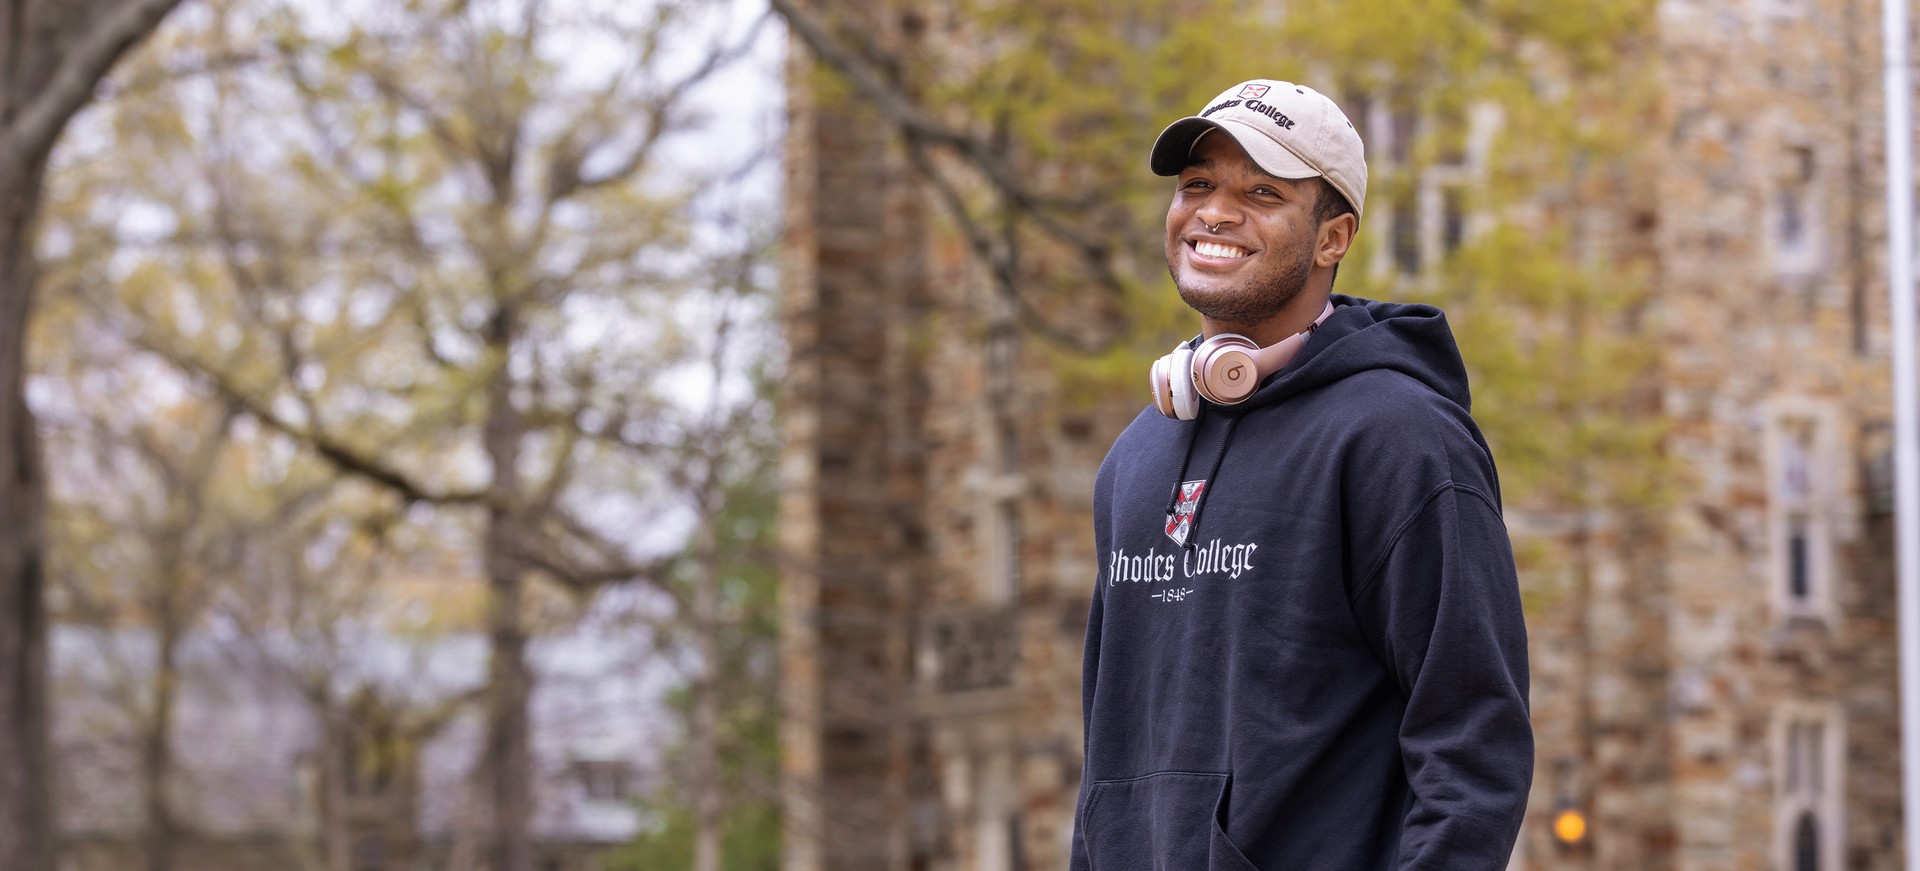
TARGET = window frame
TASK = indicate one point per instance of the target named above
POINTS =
(1817, 508)
(1825, 801)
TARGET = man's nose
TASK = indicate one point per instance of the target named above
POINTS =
(1214, 213)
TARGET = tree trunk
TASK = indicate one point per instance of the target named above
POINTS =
(52, 54)
(26, 819)
(706, 700)
(509, 754)
(156, 752)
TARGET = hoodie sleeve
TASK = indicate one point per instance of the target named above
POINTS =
(1443, 604)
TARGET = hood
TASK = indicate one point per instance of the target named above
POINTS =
(1360, 335)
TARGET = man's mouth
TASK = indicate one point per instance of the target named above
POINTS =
(1216, 249)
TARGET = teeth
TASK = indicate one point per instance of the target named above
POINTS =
(1215, 249)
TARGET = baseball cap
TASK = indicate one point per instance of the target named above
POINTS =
(1291, 131)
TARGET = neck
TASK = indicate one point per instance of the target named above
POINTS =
(1296, 316)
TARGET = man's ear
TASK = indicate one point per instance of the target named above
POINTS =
(1335, 237)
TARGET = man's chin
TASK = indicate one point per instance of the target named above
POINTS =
(1232, 305)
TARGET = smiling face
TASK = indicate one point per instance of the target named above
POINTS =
(1249, 274)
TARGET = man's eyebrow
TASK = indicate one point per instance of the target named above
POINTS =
(1206, 164)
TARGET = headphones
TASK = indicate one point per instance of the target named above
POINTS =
(1224, 370)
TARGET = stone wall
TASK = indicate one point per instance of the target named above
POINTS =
(1773, 306)
(852, 529)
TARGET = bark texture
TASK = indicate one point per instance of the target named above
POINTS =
(52, 54)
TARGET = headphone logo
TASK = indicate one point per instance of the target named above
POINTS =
(1217, 371)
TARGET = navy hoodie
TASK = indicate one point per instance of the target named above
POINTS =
(1316, 660)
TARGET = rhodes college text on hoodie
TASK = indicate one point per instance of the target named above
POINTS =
(1305, 651)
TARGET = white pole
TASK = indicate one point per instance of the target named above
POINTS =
(1906, 433)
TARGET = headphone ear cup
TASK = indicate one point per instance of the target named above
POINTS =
(1224, 371)
(1161, 387)
(1186, 405)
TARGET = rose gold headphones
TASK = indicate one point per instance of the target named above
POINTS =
(1224, 370)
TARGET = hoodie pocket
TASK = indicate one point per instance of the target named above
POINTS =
(1168, 821)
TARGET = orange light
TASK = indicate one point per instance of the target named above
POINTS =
(1570, 826)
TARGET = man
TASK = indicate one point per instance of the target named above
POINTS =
(1305, 650)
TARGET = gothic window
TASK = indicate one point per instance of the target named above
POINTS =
(1793, 218)
(1794, 212)
(1401, 136)
(1406, 232)
(1796, 496)
(1808, 752)
(1425, 208)
(1806, 843)
(1801, 510)
(1453, 220)
(1003, 513)
(1359, 109)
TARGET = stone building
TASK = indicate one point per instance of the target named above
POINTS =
(1714, 679)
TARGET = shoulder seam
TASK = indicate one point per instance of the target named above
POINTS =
(1380, 562)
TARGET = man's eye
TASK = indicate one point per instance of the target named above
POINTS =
(1266, 192)
(1196, 184)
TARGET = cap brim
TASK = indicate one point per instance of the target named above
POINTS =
(1174, 149)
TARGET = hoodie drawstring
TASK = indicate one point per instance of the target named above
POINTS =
(1186, 458)
(1193, 530)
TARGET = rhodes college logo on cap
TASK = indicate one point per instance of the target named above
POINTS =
(1180, 520)
(1253, 92)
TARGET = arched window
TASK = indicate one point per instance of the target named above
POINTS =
(1810, 748)
(1806, 843)
(1802, 496)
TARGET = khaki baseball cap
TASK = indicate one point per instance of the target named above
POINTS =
(1291, 131)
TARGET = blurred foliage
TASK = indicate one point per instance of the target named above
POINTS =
(751, 840)
(748, 736)
(471, 335)
(744, 679)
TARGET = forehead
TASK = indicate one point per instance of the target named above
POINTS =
(1217, 153)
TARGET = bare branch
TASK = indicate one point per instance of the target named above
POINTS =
(920, 129)
(346, 458)
(140, 85)
(999, 261)
(31, 135)
(658, 113)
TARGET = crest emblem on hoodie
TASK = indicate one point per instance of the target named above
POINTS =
(1180, 519)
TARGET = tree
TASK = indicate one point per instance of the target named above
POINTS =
(450, 274)
(719, 807)
(148, 561)
(167, 518)
(52, 54)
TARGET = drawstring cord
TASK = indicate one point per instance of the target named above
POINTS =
(1193, 531)
(1186, 458)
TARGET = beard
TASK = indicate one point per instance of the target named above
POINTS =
(1258, 296)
